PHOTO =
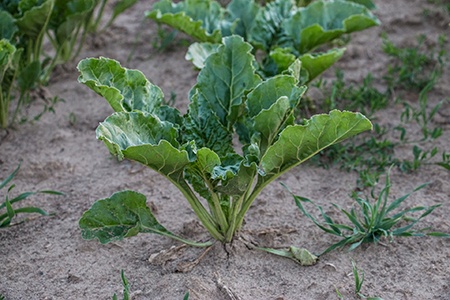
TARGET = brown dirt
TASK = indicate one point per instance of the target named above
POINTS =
(46, 258)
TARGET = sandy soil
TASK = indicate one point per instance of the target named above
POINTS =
(46, 258)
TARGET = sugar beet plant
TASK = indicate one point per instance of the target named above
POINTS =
(280, 30)
(195, 152)
(24, 24)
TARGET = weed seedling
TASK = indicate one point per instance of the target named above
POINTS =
(6, 217)
(413, 67)
(372, 219)
(126, 287)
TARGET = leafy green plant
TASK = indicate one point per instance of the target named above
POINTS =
(126, 287)
(364, 98)
(24, 24)
(195, 152)
(281, 30)
(413, 67)
(9, 57)
(372, 220)
(10, 212)
(358, 275)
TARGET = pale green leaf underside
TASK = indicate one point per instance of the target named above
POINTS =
(199, 52)
(124, 89)
(143, 138)
(300, 142)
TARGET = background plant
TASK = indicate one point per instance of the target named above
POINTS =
(7, 206)
(195, 152)
(372, 219)
(281, 30)
(371, 155)
(24, 25)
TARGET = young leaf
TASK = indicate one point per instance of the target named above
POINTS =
(231, 69)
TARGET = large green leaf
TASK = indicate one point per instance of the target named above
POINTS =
(198, 18)
(298, 143)
(122, 215)
(267, 31)
(323, 21)
(124, 89)
(227, 75)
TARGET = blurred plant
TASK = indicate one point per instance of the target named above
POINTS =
(126, 287)
(24, 65)
(414, 68)
(281, 31)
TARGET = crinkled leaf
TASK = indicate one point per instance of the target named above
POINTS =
(124, 89)
(122, 215)
(7, 26)
(198, 18)
(317, 63)
(267, 31)
(35, 18)
(231, 71)
(282, 58)
(203, 127)
(199, 52)
(298, 143)
(323, 21)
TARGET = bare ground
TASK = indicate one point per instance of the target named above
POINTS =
(46, 258)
